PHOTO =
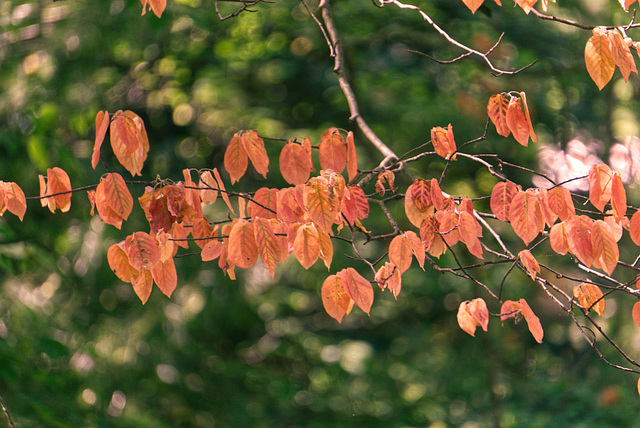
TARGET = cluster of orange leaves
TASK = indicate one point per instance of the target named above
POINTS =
(607, 49)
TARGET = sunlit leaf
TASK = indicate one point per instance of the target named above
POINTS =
(129, 141)
(268, 247)
(473, 314)
(320, 203)
(598, 58)
(558, 238)
(102, 124)
(264, 204)
(254, 147)
(157, 6)
(335, 298)
(223, 191)
(119, 262)
(242, 247)
(142, 250)
(560, 202)
(12, 199)
(165, 276)
(621, 54)
(578, 233)
(526, 215)
(142, 285)
(497, 111)
(208, 188)
(590, 297)
(236, 159)
(618, 197)
(306, 246)
(473, 5)
(604, 247)
(600, 181)
(358, 288)
(517, 122)
(59, 185)
(113, 199)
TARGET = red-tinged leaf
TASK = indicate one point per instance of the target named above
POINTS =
(497, 111)
(578, 233)
(517, 122)
(320, 203)
(358, 288)
(388, 276)
(600, 181)
(12, 198)
(417, 202)
(473, 314)
(236, 159)
(469, 228)
(560, 202)
(473, 5)
(155, 207)
(401, 252)
(208, 188)
(289, 206)
(525, 108)
(119, 262)
(533, 322)
(212, 250)
(449, 222)
(326, 248)
(180, 233)
(355, 204)
(618, 197)
(352, 158)
(599, 60)
(113, 199)
(617, 226)
(268, 247)
(430, 237)
(526, 215)
(157, 6)
(634, 227)
(335, 299)
(501, 198)
(295, 163)
(388, 178)
(530, 263)
(142, 285)
(635, 313)
(590, 297)
(254, 147)
(558, 238)
(223, 191)
(281, 230)
(57, 184)
(604, 246)
(549, 216)
(417, 247)
(621, 54)
(443, 141)
(91, 195)
(333, 151)
(102, 124)
(242, 248)
(510, 309)
(165, 276)
(306, 245)
(192, 207)
(437, 197)
(142, 250)
(264, 204)
(129, 141)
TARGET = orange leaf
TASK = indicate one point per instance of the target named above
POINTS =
(635, 313)
(590, 297)
(254, 147)
(212, 250)
(157, 6)
(326, 248)
(113, 200)
(235, 158)
(468, 228)
(497, 111)
(560, 202)
(129, 141)
(142, 250)
(430, 237)
(625, 4)
(102, 124)
(550, 217)
(12, 198)
(527, 116)
(208, 188)
(443, 142)
(618, 197)
(400, 252)
(526, 5)
(267, 243)
(605, 247)
(352, 158)
(501, 198)
(192, 202)
(290, 207)
(119, 262)
(558, 238)
(473, 314)
(417, 202)
(242, 247)
(449, 226)
(333, 151)
(355, 204)
(473, 5)
(621, 54)
(388, 276)
(578, 233)
(57, 184)
(598, 58)
(634, 227)
(335, 299)
(264, 204)
(223, 191)
(165, 276)
(320, 203)
(533, 322)
(388, 178)
(518, 123)
(295, 163)
(358, 288)
(526, 215)
(306, 245)
(530, 263)
(600, 181)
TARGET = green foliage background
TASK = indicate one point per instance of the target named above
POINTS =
(78, 349)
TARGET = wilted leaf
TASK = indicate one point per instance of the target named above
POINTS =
(417, 202)
(388, 276)
(588, 295)
(443, 141)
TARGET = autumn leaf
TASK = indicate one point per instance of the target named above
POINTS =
(58, 184)
(333, 151)
(430, 236)
(401, 252)
(560, 202)
(417, 202)
(519, 123)
(635, 313)
(497, 111)
(242, 247)
(358, 288)
(448, 227)
(511, 309)
(469, 231)
(223, 191)
(12, 199)
(525, 215)
(600, 182)
(165, 276)
(443, 141)
(578, 234)
(157, 6)
(598, 58)
(295, 163)
(320, 203)
(634, 227)
(129, 141)
(473, 314)
(388, 276)
(267, 243)
(264, 204)
(113, 200)
(385, 177)
(102, 124)
(143, 251)
(254, 147)
(625, 4)
(526, 5)
(501, 197)
(208, 188)
(355, 204)
(618, 197)
(326, 248)
(473, 5)
(236, 159)
(142, 285)
(335, 299)
(558, 238)
(290, 204)
(530, 263)
(352, 158)
(604, 247)
(119, 262)
(306, 245)
(590, 297)
(621, 54)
